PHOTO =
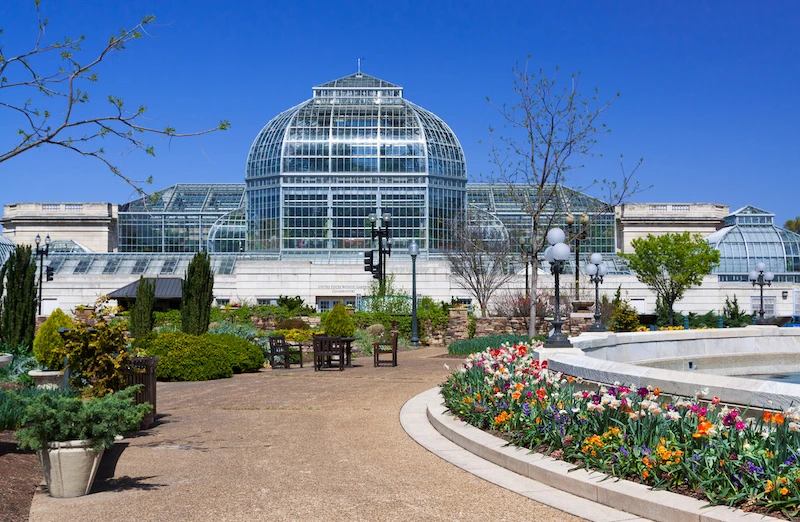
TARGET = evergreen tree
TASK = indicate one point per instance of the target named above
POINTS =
(198, 293)
(18, 322)
(141, 321)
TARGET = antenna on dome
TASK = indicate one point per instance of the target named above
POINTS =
(359, 66)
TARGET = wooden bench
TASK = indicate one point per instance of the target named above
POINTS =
(328, 351)
(281, 352)
(389, 347)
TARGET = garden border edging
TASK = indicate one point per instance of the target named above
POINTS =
(638, 499)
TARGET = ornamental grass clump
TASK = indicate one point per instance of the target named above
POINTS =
(681, 444)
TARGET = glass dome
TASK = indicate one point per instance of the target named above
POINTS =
(6, 247)
(316, 171)
(749, 237)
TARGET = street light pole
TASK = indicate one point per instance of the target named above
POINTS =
(579, 234)
(761, 278)
(596, 269)
(383, 233)
(556, 255)
(42, 253)
(413, 249)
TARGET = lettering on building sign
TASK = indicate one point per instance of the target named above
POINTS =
(343, 289)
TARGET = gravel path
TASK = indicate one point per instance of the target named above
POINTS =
(292, 445)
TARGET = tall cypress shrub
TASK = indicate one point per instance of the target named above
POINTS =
(141, 322)
(18, 321)
(198, 292)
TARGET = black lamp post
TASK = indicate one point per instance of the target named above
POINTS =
(526, 247)
(413, 249)
(381, 229)
(582, 227)
(761, 278)
(42, 253)
(557, 255)
(596, 269)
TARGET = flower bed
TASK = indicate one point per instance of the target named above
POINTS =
(691, 445)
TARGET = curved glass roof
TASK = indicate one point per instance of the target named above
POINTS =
(189, 197)
(356, 124)
(6, 247)
(229, 232)
(749, 237)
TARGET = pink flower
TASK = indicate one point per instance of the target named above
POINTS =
(739, 425)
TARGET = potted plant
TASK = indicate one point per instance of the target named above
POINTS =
(46, 344)
(70, 435)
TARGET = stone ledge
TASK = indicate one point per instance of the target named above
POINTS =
(628, 496)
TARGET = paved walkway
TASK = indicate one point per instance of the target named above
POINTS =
(293, 445)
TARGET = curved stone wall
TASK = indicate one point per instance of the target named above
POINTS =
(662, 359)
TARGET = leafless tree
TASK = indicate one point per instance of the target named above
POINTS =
(46, 100)
(548, 130)
(481, 259)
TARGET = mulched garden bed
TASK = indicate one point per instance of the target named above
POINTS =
(19, 476)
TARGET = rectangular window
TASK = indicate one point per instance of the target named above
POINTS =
(267, 301)
(680, 208)
(769, 305)
(83, 266)
(73, 207)
(50, 207)
(658, 208)
(112, 265)
(223, 302)
(169, 266)
(56, 264)
(140, 266)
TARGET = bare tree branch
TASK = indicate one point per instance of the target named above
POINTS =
(481, 260)
(550, 127)
(20, 77)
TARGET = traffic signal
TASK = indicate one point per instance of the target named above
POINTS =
(50, 272)
(369, 265)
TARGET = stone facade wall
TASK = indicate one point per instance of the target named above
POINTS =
(458, 328)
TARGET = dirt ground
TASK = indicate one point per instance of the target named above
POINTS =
(19, 477)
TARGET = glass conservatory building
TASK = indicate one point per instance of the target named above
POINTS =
(180, 219)
(318, 170)
(749, 236)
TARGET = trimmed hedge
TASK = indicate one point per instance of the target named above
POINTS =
(186, 357)
(479, 344)
(244, 355)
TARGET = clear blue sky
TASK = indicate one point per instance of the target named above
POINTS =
(708, 89)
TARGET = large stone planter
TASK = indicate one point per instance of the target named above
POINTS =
(49, 378)
(69, 467)
(5, 359)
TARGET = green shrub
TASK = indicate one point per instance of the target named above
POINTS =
(96, 356)
(59, 418)
(479, 344)
(13, 403)
(473, 324)
(171, 318)
(197, 290)
(186, 357)
(338, 322)
(625, 317)
(244, 355)
(292, 323)
(48, 339)
(239, 330)
(141, 315)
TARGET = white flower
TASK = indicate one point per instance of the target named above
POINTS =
(701, 393)
(445, 365)
(673, 415)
